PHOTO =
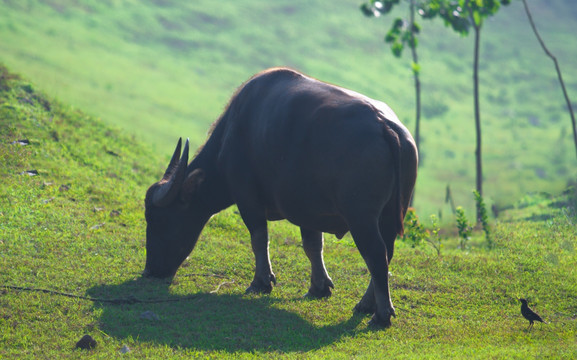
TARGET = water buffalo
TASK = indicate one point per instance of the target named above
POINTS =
(291, 147)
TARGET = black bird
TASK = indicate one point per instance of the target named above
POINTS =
(529, 314)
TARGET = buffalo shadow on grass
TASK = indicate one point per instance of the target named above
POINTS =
(206, 321)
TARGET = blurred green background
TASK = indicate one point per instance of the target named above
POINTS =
(162, 69)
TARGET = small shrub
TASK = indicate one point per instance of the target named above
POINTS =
(434, 239)
(483, 218)
(415, 232)
(463, 226)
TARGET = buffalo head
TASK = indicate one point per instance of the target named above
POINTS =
(175, 216)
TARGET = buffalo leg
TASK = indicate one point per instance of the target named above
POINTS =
(321, 283)
(254, 217)
(387, 226)
(263, 276)
(373, 250)
(255, 221)
(367, 304)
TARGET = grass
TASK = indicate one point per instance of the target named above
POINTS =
(165, 69)
(78, 227)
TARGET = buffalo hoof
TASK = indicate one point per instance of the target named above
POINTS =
(384, 321)
(380, 323)
(320, 291)
(313, 294)
(258, 289)
(258, 286)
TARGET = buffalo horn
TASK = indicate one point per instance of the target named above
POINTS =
(173, 177)
(173, 160)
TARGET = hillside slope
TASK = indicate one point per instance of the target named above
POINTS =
(165, 69)
(68, 184)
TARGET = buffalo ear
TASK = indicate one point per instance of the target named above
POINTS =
(191, 183)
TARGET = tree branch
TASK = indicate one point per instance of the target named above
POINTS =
(557, 68)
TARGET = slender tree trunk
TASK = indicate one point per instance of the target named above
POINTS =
(417, 81)
(569, 106)
(418, 104)
(417, 89)
(478, 152)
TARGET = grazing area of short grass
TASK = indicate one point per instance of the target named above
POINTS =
(71, 221)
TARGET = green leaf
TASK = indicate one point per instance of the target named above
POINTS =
(477, 18)
(367, 10)
(388, 4)
(390, 38)
(416, 68)
(428, 11)
(397, 49)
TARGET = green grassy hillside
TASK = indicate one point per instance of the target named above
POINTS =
(165, 69)
(71, 221)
